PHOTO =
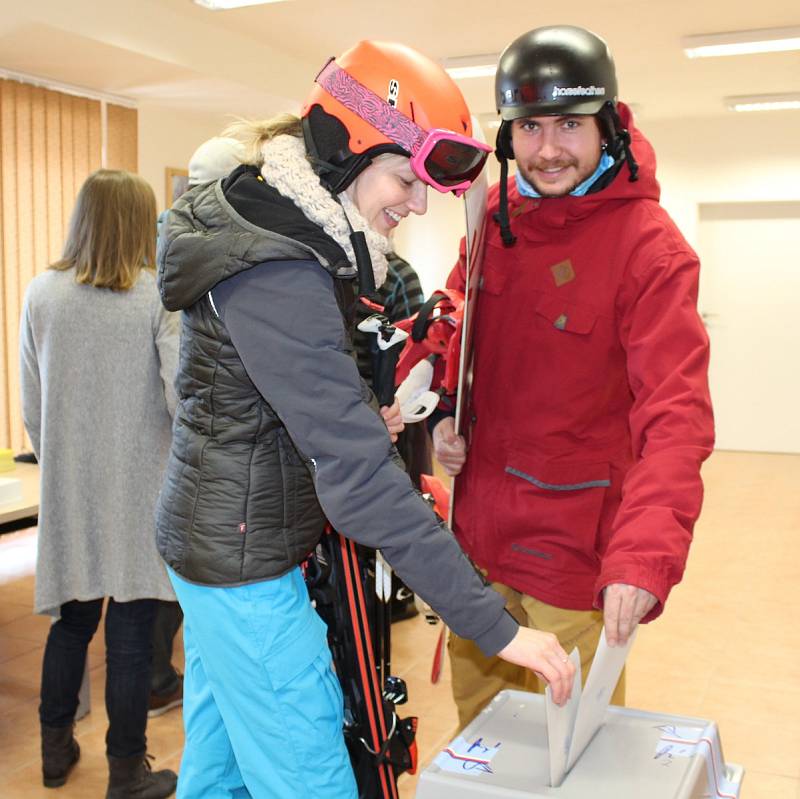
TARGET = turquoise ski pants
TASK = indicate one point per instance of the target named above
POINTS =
(262, 707)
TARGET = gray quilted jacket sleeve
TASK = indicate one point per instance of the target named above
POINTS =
(284, 322)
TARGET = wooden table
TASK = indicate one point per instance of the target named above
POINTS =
(29, 506)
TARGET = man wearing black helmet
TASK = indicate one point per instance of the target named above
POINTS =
(589, 416)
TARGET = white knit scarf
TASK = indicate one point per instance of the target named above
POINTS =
(287, 169)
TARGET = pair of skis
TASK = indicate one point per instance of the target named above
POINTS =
(341, 576)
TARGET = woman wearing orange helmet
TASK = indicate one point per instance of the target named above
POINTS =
(275, 433)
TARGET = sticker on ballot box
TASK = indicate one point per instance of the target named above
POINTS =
(465, 757)
(688, 741)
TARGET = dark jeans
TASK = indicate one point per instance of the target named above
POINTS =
(129, 632)
(169, 618)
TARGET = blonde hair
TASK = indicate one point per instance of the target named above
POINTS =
(253, 133)
(112, 231)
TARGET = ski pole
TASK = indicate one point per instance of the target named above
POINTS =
(389, 341)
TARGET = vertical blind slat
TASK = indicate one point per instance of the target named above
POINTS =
(122, 138)
(8, 221)
(19, 278)
(55, 219)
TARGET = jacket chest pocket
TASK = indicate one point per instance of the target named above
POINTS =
(565, 316)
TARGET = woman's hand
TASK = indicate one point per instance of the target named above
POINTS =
(541, 652)
(393, 417)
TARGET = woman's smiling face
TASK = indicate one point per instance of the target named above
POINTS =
(388, 191)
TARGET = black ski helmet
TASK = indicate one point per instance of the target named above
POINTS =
(556, 71)
(553, 71)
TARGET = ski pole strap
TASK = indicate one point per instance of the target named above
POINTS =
(420, 326)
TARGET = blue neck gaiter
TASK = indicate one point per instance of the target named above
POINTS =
(606, 162)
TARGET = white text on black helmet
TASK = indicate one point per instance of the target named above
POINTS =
(578, 91)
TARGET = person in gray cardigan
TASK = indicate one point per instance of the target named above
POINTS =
(98, 359)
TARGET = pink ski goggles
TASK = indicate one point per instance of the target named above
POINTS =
(445, 160)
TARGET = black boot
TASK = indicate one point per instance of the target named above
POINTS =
(132, 778)
(60, 752)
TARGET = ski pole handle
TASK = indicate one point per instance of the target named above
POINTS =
(383, 376)
(390, 341)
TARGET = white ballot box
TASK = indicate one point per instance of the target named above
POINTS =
(504, 754)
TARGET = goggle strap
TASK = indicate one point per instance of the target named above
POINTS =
(364, 103)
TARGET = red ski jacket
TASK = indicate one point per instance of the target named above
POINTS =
(590, 414)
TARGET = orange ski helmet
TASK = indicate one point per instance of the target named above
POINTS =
(383, 97)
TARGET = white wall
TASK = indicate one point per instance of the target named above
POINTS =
(168, 138)
(751, 157)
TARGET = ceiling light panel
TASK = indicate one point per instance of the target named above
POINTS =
(223, 5)
(472, 66)
(765, 102)
(766, 40)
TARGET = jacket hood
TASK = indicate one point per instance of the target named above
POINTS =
(206, 240)
(646, 185)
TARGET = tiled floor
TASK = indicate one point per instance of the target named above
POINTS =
(727, 648)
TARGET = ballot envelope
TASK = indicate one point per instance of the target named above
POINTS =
(504, 754)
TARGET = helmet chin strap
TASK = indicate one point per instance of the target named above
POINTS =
(619, 139)
(501, 217)
(344, 176)
(366, 273)
(502, 153)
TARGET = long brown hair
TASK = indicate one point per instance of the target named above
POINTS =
(112, 231)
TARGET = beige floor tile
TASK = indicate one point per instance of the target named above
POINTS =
(413, 643)
(10, 611)
(761, 747)
(14, 647)
(13, 697)
(758, 785)
(19, 732)
(663, 690)
(88, 780)
(165, 735)
(764, 705)
(172, 763)
(23, 670)
(19, 591)
(29, 627)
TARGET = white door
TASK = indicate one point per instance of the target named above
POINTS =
(750, 300)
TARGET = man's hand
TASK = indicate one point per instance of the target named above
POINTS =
(541, 652)
(624, 606)
(450, 449)
(393, 417)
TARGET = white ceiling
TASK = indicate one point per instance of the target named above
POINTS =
(260, 60)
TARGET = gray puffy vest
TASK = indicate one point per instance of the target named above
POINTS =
(238, 502)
